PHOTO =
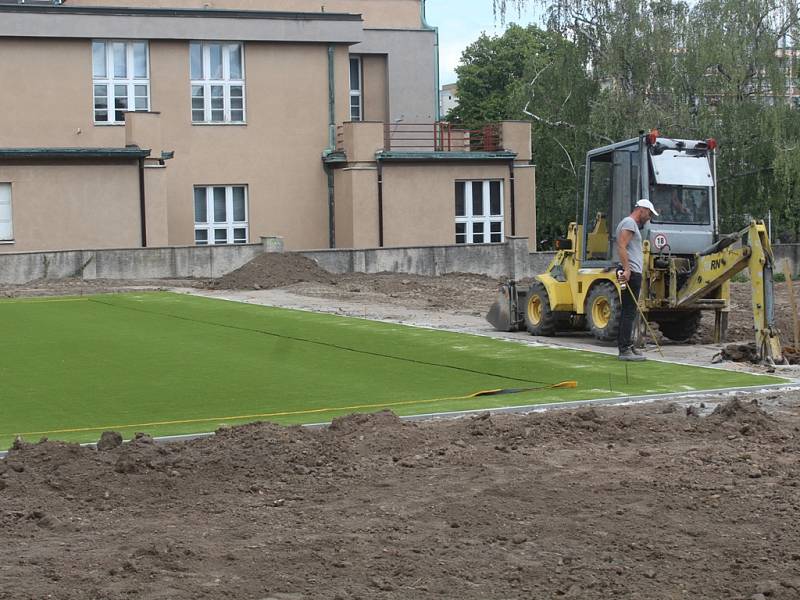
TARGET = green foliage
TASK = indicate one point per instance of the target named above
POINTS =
(710, 68)
(490, 77)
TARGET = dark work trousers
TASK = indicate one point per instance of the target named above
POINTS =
(625, 337)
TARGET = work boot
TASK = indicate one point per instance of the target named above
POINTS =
(628, 355)
(637, 351)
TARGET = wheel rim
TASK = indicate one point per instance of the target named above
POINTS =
(535, 310)
(601, 312)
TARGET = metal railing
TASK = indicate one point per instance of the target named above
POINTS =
(440, 137)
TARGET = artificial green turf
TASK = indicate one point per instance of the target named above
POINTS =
(134, 362)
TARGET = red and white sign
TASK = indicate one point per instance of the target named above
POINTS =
(660, 241)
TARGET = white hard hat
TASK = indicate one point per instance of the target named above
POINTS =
(645, 203)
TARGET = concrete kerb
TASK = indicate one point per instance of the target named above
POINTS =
(528, 409)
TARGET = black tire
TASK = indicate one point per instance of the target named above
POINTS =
(539, 318)
(681, 328)
(603, 311)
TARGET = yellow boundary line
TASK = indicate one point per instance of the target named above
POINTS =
(281, 414)
(42, 301)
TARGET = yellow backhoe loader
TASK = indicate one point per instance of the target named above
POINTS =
(688, 265)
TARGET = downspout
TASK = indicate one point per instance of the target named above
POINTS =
(380, 202)
(331, 147)
(435, 30)
(142, 202)
(331, 100)
(513, 202)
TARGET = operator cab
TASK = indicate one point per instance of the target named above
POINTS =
(677, 176)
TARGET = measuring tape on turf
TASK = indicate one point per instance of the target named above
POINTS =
(497, 392)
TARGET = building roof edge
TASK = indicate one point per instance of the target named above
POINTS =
(130, 152)
(177, 12)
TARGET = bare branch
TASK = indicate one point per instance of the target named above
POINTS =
(564, 103)
(542, 70)
(569, 158)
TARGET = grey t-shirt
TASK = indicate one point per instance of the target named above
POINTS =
(635, 255)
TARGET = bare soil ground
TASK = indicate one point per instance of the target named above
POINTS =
(642, 502)
(655, 501)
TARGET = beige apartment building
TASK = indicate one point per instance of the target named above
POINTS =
(129, 123)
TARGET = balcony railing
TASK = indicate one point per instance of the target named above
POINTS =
(440, 137)
(432, 137)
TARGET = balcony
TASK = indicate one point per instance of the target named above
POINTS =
(360, 141)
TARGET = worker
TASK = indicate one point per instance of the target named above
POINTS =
(680, 213)
(629, 249)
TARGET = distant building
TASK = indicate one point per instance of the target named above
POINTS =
(448, 99)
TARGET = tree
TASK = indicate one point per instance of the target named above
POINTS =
(712, 68)
(491, 73)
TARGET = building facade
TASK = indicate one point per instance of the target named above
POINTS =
(448, 98)
(182, 122)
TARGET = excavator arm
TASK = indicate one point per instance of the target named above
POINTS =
(748, 249)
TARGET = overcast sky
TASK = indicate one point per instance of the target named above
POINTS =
(460, 23)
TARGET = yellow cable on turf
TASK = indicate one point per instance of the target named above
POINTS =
(563, 384)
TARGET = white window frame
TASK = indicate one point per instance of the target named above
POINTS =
(210, 226)
(492, 225)
(110, 81)
(357, 92)
(226, 83)
(6, 214)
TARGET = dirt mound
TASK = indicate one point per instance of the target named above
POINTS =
(734, 418)
(272, 270)
(362, 422)
(749, 353)
(740, 352)
(747, 414)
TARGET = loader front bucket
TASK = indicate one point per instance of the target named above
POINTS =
(503, 314)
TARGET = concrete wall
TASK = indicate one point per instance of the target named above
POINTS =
(510, 259)
(138, 263)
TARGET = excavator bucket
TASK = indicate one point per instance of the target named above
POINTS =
(504, 314)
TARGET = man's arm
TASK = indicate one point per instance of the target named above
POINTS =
(622, 249)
